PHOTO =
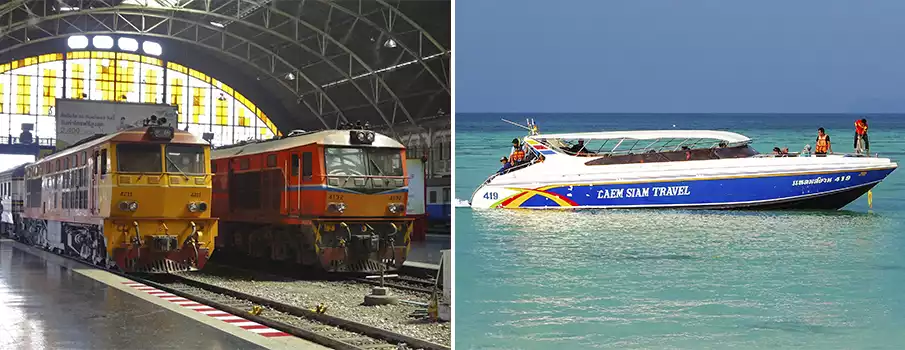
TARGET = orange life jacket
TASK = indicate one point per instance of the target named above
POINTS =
(860, 128)
(517, 156)
(822, 144)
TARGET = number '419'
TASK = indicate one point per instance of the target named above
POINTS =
(491, 195)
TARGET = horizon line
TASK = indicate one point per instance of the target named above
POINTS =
(667, 113)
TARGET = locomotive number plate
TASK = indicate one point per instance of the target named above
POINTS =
(335, 197)
(395, 198)
(196, 194)
(125, 194)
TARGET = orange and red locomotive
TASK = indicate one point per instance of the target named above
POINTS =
(332, 199)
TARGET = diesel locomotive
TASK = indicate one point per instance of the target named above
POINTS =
(135, 200)
(334, 200)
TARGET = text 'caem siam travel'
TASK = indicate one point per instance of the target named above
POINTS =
(641, 192)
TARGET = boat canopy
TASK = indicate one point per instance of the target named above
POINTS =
(729, 137)
(642, 141)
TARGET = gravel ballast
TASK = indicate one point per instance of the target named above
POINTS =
(342, 299)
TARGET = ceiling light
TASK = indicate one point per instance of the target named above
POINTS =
(77, 42)
(390, 43)
(289, 76)
(68, 8)
(128, 44)
(151, 48)
(218, 24)
(102, 42)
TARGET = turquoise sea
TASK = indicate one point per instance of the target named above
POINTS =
(672, 279)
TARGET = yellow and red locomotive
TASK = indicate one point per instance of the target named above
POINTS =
(334, 200)
(135, 200)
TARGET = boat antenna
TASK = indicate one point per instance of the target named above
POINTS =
(516, 124)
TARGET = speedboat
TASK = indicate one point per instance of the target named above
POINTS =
(689, 169)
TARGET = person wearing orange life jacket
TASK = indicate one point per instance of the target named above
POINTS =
(518, 154)
(823, 143)
(861, 142)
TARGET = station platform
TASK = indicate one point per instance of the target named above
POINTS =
(428, 250)
(51, 302)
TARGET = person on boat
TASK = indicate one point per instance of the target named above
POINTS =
(517, 155)
(785, 151)
(861, 142)
(516, 144)
(540, 158)
(578, 148)
(505, 165)
(824, 146)
(777, 151)
(806, 152)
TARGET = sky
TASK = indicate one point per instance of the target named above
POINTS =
(683, 56)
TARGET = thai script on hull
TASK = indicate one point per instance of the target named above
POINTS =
(821, 180)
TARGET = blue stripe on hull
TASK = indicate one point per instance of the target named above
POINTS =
(704, 193)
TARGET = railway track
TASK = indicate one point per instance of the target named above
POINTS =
(323, 329)
(415, 280)
(414, 284)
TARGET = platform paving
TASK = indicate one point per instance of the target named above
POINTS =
(50, 302)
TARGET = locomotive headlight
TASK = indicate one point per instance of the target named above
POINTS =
(128, 206)
(361, 136)
(196, 207)
(370, 137)
(336, 207)
(396, 208)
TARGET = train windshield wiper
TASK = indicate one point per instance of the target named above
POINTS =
(176, 166)
(379, 172)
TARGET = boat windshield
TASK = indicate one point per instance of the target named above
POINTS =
(623, 146)
(742, 151)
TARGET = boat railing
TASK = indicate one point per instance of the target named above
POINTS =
(808, 154)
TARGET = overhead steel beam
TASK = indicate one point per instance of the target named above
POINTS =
(198, 18)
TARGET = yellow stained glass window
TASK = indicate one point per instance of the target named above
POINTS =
(23, 94)
(78, 81)
(150, 87)
(50, 89)
(176, 97)
(112, 75)
(198, 104)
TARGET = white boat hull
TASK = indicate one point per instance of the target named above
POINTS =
(751, 183)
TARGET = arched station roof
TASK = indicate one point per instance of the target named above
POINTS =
(308, 64)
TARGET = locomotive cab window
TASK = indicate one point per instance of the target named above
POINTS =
(188, 159)
(295, 164)
(347, 161)
(105, 164)
(138, 158)
(306, 165)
